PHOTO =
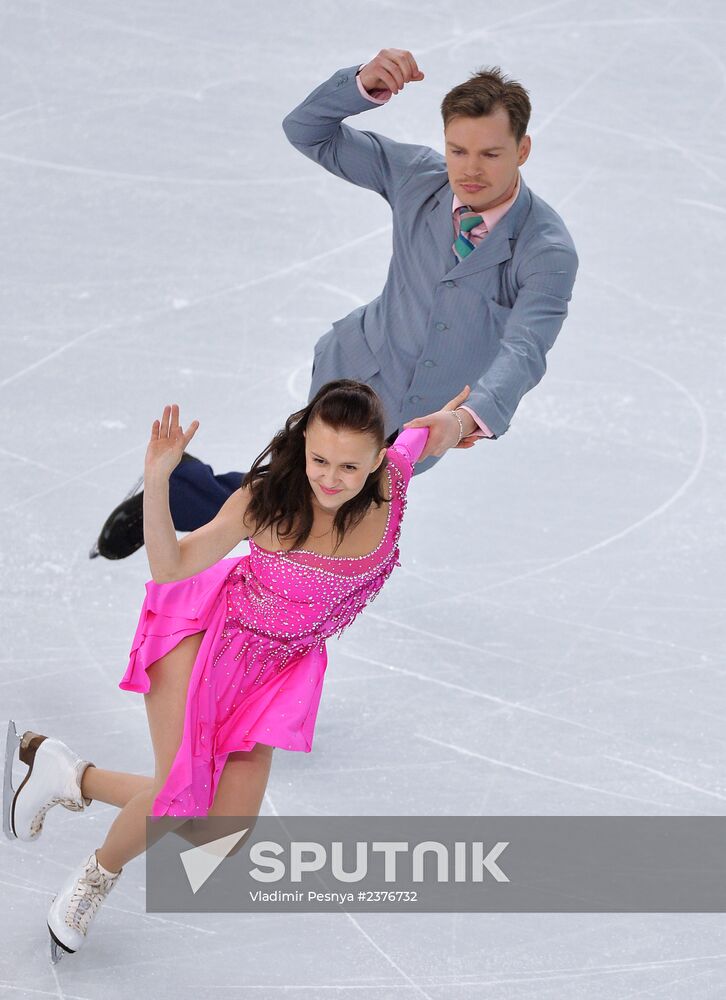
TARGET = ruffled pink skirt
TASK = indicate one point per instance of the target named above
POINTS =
(228, 707)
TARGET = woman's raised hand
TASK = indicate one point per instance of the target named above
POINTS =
(167, 444)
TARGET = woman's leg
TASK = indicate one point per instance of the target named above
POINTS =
(242, 783)
(116, 788)
(165, 708)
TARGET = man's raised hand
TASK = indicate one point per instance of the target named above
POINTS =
(390, 70)
(167, 444)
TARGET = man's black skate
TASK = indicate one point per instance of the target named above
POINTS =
(123, 532)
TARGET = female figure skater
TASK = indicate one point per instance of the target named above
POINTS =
(230, 653)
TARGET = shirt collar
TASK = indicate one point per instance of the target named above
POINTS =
(492, 216)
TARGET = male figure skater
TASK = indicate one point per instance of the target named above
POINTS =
(477, 288)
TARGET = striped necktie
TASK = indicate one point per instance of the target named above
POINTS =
(465, 241)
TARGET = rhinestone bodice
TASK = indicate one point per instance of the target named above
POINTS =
(300, 597)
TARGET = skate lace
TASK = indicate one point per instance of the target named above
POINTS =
(36, 824)
(91, 890)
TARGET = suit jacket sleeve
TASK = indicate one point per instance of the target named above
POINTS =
(545, 287)
(367, 159)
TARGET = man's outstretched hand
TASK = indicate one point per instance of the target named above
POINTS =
(390, 70)
(444, 427)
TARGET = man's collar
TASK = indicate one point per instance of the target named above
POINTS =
(492, 216)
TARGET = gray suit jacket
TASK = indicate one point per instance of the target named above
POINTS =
(439, 324)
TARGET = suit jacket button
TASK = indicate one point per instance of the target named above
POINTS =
(441, 326)
(414, 399)
(450, 284)
(429, 363)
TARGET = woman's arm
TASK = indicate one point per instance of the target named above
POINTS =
(201, 548)
(168, 558)
(411, 443)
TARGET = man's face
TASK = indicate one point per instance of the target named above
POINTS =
(482, 158)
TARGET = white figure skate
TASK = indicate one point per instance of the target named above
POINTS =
(53, 778)
(75, 906)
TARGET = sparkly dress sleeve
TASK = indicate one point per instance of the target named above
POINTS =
(408, 446)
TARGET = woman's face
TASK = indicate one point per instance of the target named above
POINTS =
(338, 462)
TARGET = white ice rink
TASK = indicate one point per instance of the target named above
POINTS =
(552, 643)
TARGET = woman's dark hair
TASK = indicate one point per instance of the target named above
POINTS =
(281, 492)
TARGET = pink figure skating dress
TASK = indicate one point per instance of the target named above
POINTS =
(258, 675)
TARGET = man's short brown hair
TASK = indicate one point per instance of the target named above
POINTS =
(483, 93)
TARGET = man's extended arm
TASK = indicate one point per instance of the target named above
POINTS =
(367, 159)
(531, 328)
(530, 331)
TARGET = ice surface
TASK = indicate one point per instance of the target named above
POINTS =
(553, 641)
